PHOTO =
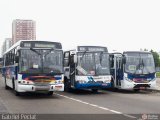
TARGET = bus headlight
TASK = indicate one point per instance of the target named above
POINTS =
(26, 82)
(59, 82)
(53, 82)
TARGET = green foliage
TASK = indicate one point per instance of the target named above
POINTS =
(158, 74)
(156, 58)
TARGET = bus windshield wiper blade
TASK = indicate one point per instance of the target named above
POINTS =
(84, 53)
(35, 51)
(48, 52)
(101, 55)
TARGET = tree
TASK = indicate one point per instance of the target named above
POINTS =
(156, 58)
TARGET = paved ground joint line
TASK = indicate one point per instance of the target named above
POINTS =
(97, 106)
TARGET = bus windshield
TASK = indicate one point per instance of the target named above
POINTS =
(93, 63)
(41, 61)
(139, 63)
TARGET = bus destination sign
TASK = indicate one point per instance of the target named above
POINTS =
(41, 44)
(92, 48)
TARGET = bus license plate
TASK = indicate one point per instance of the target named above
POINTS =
(42, 87)
(58, 87)
(142, 88)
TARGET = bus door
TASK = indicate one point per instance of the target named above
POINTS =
(72, 70)
(118, 70)
(66, 64)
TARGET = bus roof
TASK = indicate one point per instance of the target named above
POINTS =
(136, 52)
(20, 41)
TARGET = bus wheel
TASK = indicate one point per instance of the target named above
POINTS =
(94, 90)
(67, 85)
(6, 87)
(136, 90)
(112, 84)
(15, 92)
(50, 93)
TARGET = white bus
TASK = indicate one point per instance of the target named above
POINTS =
(87, 67)
(32, 65)
(133, 70)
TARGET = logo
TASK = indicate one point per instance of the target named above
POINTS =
(91, 79)
(149, 117)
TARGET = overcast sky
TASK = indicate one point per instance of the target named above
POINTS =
(118, 24)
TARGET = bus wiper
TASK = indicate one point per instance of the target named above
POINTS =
(35, 51)
(48, 52)
(144, 66)
(101, 55)
(140, 66)
(84, 54)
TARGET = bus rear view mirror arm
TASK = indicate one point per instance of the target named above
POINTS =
(16, 59)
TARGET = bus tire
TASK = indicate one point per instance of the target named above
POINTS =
(50, 93)
(94, 90)
(17, 93)
(6, 87)
(67, 85)
(115, 89)
(112, 84)
(14, 89)
(136, 90)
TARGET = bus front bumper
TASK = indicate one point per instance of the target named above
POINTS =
(34, 88)
(132, 85)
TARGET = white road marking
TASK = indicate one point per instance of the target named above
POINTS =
(97, 106)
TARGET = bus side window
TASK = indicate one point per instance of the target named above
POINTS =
(6, 60)
(72, 59)
(66, 59)
(111, 61)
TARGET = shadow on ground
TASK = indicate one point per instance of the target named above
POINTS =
(129, 91)
(86, 92)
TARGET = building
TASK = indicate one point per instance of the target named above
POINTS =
(6, 44)
(23, 30)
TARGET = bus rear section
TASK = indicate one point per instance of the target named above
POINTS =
(87, 68)
(134, 70)
(33, 66)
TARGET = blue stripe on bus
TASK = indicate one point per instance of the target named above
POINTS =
(95, 85)
(144, 76)
(57, 78)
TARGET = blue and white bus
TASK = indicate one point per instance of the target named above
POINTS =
(133, 70)
(87, 67)
(32, 65)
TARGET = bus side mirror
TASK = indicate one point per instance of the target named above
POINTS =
(124, 60)
(75, 58)
(16, 59)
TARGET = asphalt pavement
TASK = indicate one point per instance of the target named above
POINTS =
(128, 104)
